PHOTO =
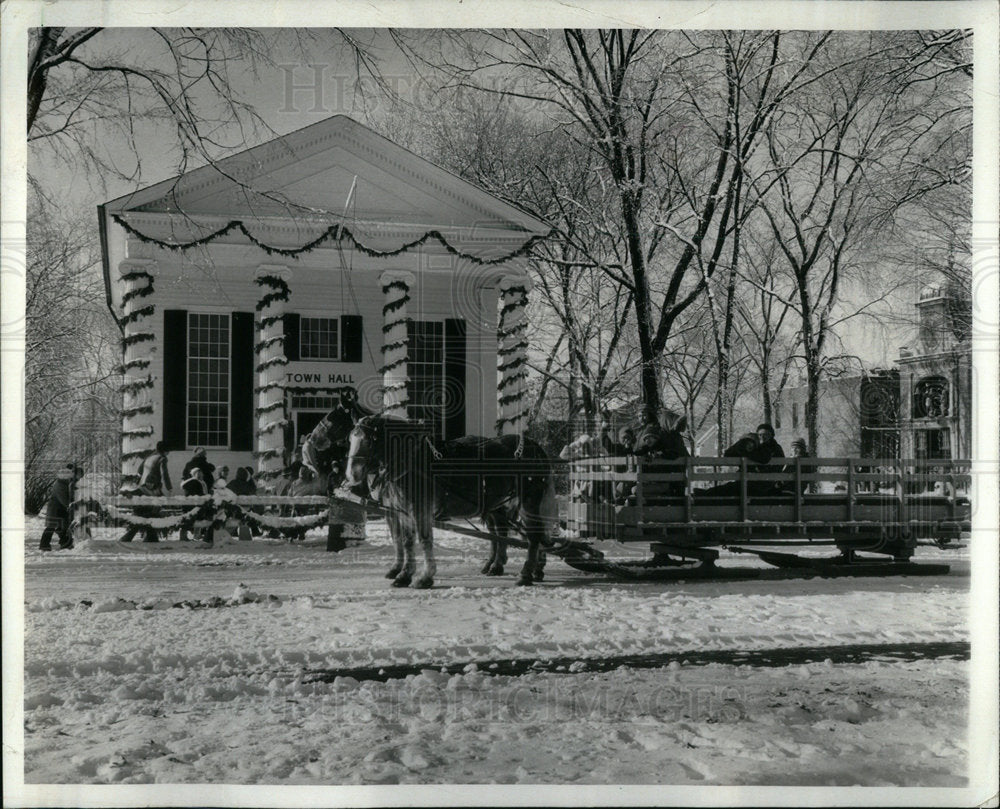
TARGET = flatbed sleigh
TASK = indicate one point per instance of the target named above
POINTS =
(867, 515)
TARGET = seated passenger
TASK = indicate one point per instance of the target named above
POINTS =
(767, 449)
(623, 446)
(799, 451)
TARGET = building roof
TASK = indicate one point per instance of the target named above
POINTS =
(336, 171)
(311, 173)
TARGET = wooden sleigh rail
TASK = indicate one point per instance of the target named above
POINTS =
(881, 505)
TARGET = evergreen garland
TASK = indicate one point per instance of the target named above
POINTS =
(141, 292)
(129, 412)
(274, 281)
(134, 275)
(270, 341)
(514, 349)
(395, 305)
(139, 363)
(271, 426)
(269, 298)
(390, 326)
(387, 347)
(270, 320)
(510, 380)
(135, 386)
(279, 360)
(140, 337)
(332, 233)
(517, 362)
(391, 366)
(267, 408)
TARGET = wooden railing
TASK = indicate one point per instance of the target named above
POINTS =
(624, 497)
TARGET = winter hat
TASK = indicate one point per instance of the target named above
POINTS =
(199, 451)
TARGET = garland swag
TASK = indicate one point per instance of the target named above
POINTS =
(337, 233)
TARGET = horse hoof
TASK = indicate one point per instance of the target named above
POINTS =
(495, 570)
(539, 575)
(485, 570)
(401, 581)
(424, 583)
(524, 581)
(393, 572)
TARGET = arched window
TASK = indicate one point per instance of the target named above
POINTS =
(930, 398)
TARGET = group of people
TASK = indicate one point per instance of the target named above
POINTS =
(760, 448)
(199, 477)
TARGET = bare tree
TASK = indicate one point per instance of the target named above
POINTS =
(869, 142)
(66, 349)
(579, 313)
(672, 118)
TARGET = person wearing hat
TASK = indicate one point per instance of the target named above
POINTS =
(766, 450)
(57, 508)
(199, 461)
(192, 486)
(154, 478)
(799, 450)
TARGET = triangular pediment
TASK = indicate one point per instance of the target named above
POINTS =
(321, 171)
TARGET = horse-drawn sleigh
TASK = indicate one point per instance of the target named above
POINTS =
(883, 509)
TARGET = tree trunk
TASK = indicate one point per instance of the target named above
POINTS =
(649, 378)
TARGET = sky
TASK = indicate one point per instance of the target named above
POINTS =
(314, 77)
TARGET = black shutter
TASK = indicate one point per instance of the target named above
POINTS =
(351, 337)
(291, 336)
(174, 378)
(454, 378)
(241, 366)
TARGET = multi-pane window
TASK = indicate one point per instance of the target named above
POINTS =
(318, 338)
(426, 371)
(324, 403)
(208, 380)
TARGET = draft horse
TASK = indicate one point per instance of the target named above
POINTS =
(516, 492)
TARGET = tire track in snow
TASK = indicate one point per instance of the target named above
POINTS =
(758, 658)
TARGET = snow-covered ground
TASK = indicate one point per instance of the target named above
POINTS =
(181, 664)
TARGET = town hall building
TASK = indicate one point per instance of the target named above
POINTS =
(253, 292)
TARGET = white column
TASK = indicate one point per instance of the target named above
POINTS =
(138, 346)
(512, 355)
(270, 366)
(396, 286)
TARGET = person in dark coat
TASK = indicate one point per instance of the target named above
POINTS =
(57, 508)
(767, 449)
(200, 461)
(153, 479)
(242, 484)
(192, 486)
